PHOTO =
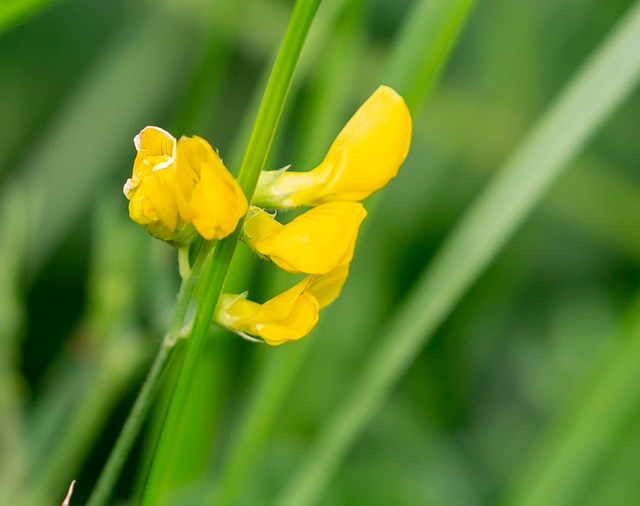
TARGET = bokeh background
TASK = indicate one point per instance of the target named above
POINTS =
(517, 392)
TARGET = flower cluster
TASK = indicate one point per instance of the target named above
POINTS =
(179, 187)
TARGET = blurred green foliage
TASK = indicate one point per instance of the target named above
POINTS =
(528, 393)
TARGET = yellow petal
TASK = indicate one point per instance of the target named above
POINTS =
(327, 288)
(234, 310)
(363, 158)
(287, 317)
(151, 189)
(154, 141)
(156, 148)
(190, 154)
(315, 242)
(207, 194)
(152, 202)
(298, 323)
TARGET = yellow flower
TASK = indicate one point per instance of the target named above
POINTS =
(363, 158)
(175, 184)
(315, 242)
(207, 194)
(152, 201)
(288, 316)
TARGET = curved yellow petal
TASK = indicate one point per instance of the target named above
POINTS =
(152, 202)
(207, 194)
(363, 158)
(155, 141)
(156, 148)
(315, 242)
(287, 317)
(150, 189)
(298, 323)
(190, 154)
(327, 288)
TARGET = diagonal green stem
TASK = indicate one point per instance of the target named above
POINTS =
(423, 47)
(109, 476)
(604, 82)
(119, 453)
(14, 11)
(217, 265)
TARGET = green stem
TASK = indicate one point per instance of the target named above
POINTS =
(109, 476)
(217, 265)
(420, 52)
(118, 456)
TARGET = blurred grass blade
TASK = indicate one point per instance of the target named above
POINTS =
(102, 384)
(425, 42)
(599, 198)
(619, 481)
(14, 11)
(195, 112)
(573, 447)
(316, 42)
(83, 387)
(333, 81)
(604, 82)
(12, 253)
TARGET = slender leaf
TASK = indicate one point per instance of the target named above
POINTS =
(425, 42)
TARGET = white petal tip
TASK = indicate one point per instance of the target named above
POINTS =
(137, 138)
(128, 186)
(249, 338)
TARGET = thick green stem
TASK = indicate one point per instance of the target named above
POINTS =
(217, 265)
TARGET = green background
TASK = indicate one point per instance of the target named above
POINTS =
(529, 392)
